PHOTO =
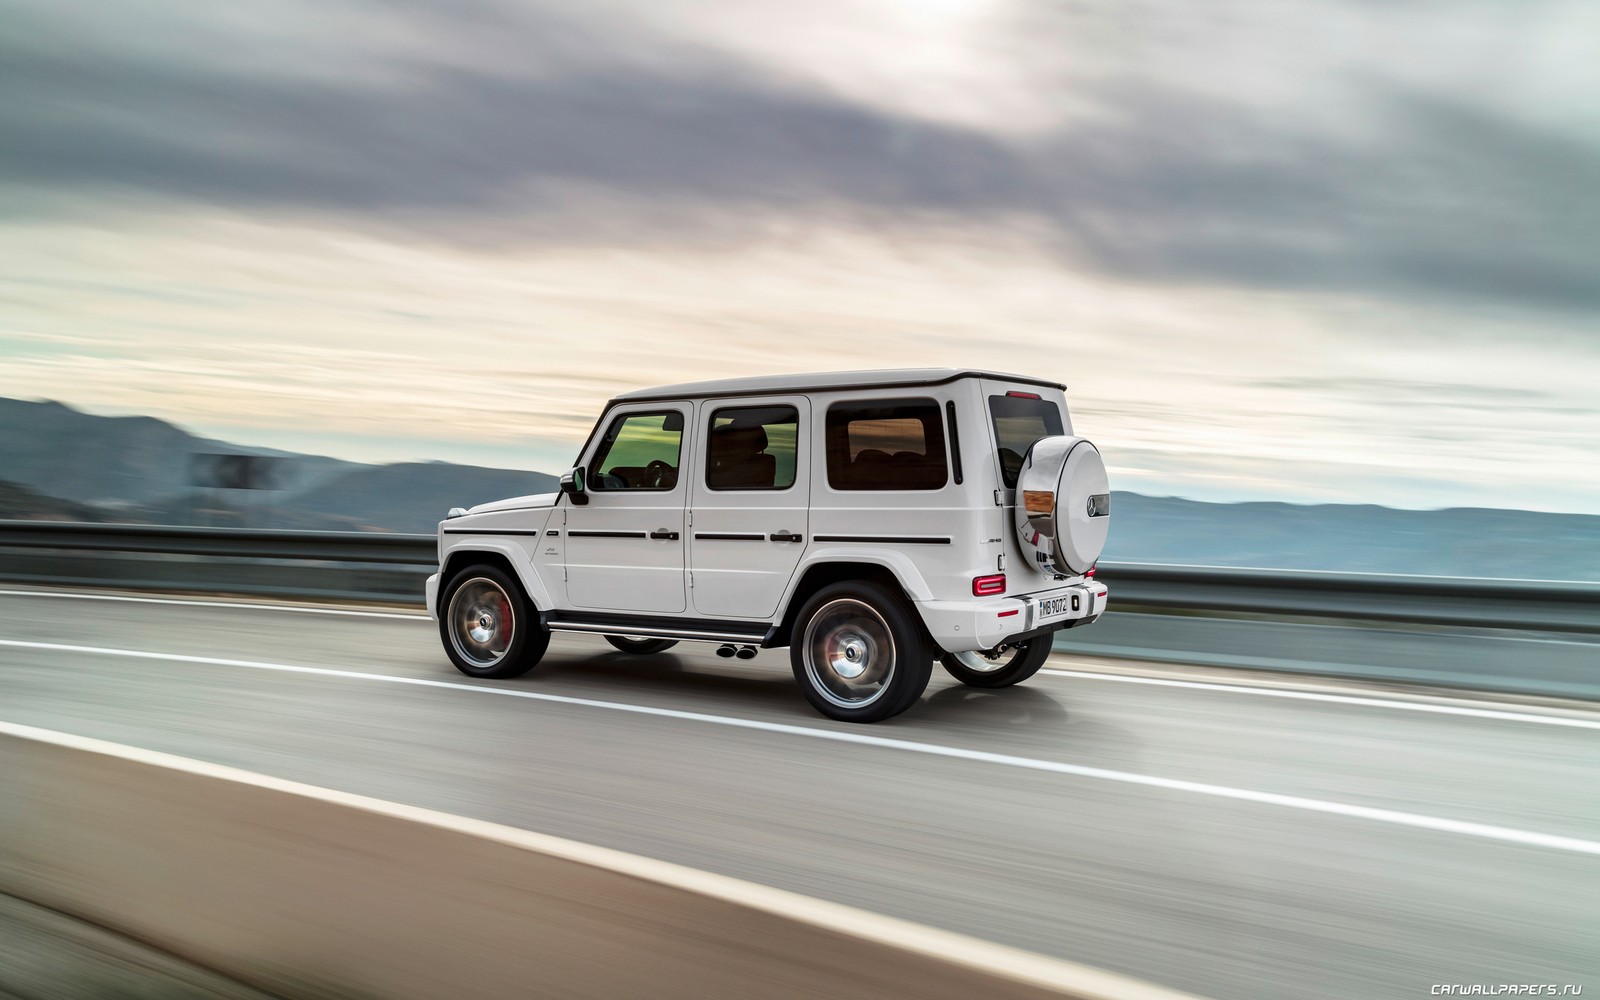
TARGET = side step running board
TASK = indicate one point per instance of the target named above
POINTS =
(683, 631)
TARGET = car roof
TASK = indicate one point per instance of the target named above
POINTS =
(824, 381)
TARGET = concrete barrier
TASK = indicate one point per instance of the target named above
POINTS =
(306, 892)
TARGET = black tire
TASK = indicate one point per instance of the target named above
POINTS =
(1014, 666)
(479, 604)
(640, 646)
(870, 629)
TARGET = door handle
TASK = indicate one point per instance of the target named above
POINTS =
(785, 536)
(664, 534)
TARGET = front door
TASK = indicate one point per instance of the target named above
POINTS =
(750, 504)
(625, 547)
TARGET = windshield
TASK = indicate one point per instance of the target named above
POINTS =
(1019, 421)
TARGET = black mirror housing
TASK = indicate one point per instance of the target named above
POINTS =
(572, 486)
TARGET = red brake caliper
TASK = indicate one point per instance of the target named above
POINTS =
(505, 616)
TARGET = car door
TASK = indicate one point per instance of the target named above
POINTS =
(625, 547)
(749, 507)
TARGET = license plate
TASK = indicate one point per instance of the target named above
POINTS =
(1048, 609)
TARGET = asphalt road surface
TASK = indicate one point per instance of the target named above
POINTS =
(1230, 835)
(1553, 664)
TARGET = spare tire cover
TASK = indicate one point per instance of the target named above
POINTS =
(1063, 505)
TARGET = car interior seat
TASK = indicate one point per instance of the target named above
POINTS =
(739, 459)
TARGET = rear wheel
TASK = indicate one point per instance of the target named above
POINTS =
(489, 627)
(639, 644)
(858, 653)
(998, 668)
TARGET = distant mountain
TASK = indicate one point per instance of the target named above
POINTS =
(22, 504)
(65, 464)
(414, 496)
(1463, 541)
(63, 452)
(144, 470)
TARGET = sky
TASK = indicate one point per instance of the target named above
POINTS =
(1341, 251)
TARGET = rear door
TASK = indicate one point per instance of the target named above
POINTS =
(749, 507)
(625, 547)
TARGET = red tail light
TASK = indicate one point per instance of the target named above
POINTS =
(988, 586)
(1090, 575)
(1024, 395)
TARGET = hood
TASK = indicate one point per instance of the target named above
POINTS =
(518, 503)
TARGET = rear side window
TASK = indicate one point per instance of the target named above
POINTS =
(886, 444)
(1019, 421)
(752, 448)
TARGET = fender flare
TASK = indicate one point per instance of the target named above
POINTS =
(521, 564)
(898, 563)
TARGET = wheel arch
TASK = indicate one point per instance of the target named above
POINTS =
(506, 557)
(898, 574)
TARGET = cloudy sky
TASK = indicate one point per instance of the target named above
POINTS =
(1341, 250)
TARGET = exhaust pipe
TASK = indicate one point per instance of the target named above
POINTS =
(746, 653)
(725, 650)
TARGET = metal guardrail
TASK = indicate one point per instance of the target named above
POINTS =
(234, 543)
(332, 565)
(1482, 603)
(383, 566)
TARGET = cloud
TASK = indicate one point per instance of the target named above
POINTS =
(497, 124)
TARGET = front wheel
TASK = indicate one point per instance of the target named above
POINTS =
(858, 653)
(998, 668)
(639, 644)
(489, 627)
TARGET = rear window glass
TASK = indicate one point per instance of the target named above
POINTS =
(886, 444)
(1019, 421)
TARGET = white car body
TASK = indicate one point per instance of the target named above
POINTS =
(729, 565)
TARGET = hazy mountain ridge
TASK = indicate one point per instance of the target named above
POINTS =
(139, 469)
(65, 464)
(1356, 538)
(18, 503)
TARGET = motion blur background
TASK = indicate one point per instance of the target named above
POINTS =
(1322, 278)
(1331, 252)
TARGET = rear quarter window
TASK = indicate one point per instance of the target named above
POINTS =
(886, 444)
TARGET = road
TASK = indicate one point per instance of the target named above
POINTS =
(1217, 836)
(1549, 664)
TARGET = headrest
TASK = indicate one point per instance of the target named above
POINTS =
(748, 440)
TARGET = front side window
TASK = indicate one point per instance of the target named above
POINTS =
(752, 448)
(886, 444)
(639, 452)
(1019, 421)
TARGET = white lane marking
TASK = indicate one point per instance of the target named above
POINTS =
(353, 612)
(1483, 713)
(1338, 699)
(1482, 830)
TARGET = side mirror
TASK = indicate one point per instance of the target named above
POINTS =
(572, 486)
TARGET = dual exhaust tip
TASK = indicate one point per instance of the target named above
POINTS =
(742, 652)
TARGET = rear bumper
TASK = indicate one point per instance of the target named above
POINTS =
(961, 626)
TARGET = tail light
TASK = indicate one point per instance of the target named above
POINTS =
(1090, 575)
(1024, 395)
(988, 586)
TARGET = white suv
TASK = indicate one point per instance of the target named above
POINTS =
(870, 521)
